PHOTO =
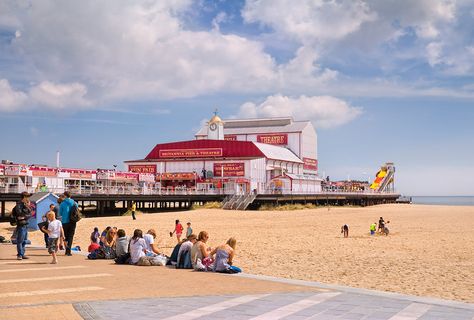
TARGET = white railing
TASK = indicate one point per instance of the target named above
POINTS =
(133, 190)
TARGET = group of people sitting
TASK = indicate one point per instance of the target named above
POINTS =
(141, 249)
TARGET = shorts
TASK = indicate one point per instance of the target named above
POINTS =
(52, 245)
(179, 235)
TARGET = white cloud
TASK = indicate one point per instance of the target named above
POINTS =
(434, 51)
(323, 111)
(308, 21)
(60, 96)
(10, 100)
(136, 50)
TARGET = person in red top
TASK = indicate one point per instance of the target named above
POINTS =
(178, 228)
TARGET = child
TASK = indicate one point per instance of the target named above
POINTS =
(189, 230)
(56, 234)
(95, 239)
(178, 228)
(373, 227)
(345, 230)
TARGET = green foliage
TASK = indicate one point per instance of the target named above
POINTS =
(208, 205)
(287, 207)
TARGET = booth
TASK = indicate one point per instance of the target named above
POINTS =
(40, 203)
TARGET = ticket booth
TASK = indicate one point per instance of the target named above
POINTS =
(40, 203)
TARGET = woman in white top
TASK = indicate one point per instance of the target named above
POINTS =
(137, 246)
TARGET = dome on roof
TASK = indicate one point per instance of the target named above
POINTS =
(215, 119)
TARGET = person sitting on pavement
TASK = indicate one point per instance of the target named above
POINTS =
(102, 236)
(224, 256)
(109, 244)
(201, 257)
(121, 245)
(150, 237)
(137, 246)
(185, 251)
(95, 238)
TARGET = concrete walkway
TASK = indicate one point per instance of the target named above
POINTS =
(80, 288)
(296, 306)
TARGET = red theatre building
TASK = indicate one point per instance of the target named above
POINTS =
(238, 156)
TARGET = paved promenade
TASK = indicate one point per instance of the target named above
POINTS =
(77, 288)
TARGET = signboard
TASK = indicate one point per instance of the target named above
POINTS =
(78, 175)
(310, 164)
(126, 176)
(16, 170)
(191, 153)
(105, 174)
(43, 172)
(273, 138)
(233, 169)
(146, 177)
(230, 137)
(142, 168)
(177, 176)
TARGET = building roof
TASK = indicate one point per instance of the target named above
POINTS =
(38, 196)
(255, 126)
(193, 149)
(277, 153)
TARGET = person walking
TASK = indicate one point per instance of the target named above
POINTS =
(133, 208)
(69, 226)
(22, 214)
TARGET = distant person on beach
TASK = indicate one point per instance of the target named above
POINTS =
(150, 237)
(189, 230)
(55, 235)
(373, 228)
(178, 229)
(345, 230)
(385, 230)
(133, 208)
(224, 256)
(381, 225)
(22, 214)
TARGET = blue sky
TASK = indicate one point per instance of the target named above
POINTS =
(380, 80)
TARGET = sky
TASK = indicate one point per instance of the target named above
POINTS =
(105, 81)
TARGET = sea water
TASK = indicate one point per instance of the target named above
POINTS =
(450, 201)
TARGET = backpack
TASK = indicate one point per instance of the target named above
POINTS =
(123, 259)
(75, 214)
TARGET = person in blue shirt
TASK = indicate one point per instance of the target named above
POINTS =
(68, 226)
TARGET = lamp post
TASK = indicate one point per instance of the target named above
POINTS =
(161, 174)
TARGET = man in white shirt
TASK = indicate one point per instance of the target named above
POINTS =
(150, 241)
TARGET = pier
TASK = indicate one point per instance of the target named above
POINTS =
(103, 204)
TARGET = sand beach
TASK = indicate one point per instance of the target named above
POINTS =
(429, 251)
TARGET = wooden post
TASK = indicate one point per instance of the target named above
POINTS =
(3, 209)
